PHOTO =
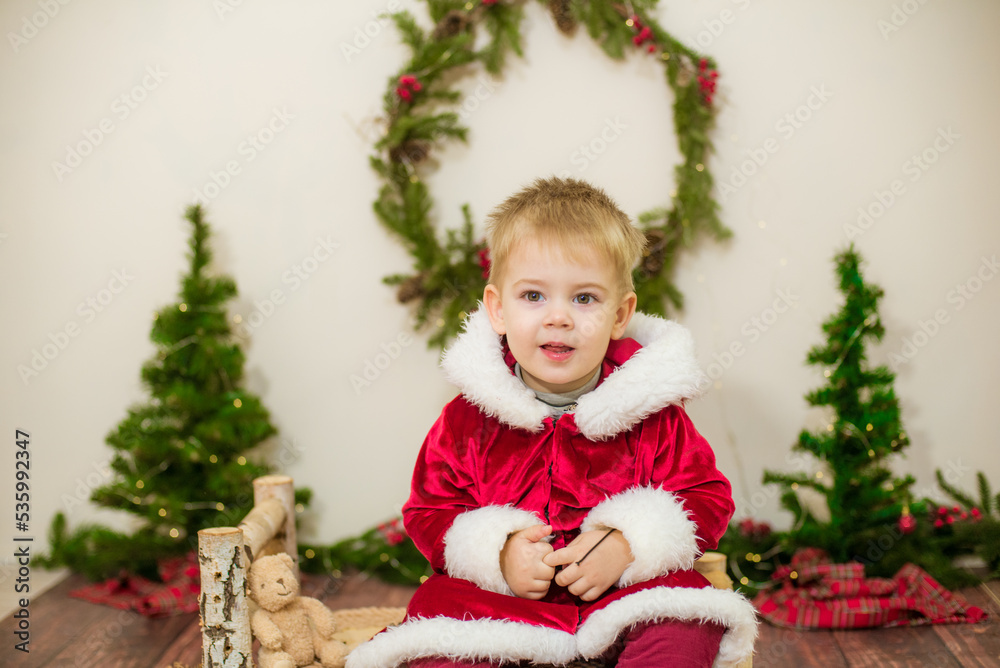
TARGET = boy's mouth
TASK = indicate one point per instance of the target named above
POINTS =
(556, 351)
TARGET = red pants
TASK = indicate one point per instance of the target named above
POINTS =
(665, 644)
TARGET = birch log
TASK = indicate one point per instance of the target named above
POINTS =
(282, 488)
(225, 618)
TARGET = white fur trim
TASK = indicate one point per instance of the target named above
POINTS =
(482, 639)
(475, 364)
(681, 603)
(663, 372)
(472, 545)
(656, 527)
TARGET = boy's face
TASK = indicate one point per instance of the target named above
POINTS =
(559, 314)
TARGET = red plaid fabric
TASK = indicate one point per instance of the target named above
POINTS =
(816, 594)
(176, 594)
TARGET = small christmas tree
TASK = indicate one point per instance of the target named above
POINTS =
(866, 501)
(180, 459)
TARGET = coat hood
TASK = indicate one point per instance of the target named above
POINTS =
(662, 372)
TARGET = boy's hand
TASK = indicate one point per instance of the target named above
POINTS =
(522, 565)
(602, 567)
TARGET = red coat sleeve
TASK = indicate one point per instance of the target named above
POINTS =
(440, 490)
(685, 465)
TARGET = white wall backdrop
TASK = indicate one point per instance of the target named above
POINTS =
(838, 101)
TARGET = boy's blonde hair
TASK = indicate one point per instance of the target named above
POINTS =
(571, 214)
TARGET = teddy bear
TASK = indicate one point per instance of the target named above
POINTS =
(293, 630)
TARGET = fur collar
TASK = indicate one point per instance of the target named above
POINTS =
(663, 372)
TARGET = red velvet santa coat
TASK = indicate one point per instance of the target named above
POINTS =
(497, 461)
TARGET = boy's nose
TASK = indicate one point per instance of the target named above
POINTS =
(558, 316)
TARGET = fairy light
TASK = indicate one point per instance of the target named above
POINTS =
(237, 403)
(162, 512)
(182, 308)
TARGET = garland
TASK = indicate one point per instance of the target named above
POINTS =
(448, 275)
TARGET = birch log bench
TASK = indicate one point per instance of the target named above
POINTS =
(225, 555)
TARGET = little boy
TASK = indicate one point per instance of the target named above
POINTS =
(563, 497)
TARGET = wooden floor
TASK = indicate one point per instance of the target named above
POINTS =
(72, 633)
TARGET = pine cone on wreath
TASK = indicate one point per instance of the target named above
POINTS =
(412, 151)
(453, 23)
(686, 72)
(412, 288)
(654, 255)
(562, 16)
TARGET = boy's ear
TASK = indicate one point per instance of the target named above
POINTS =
(494, 309)
(623, 315)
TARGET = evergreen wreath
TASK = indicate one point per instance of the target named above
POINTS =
(448, 275)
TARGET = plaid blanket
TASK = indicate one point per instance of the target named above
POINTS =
(176, 594)
(812, 593)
